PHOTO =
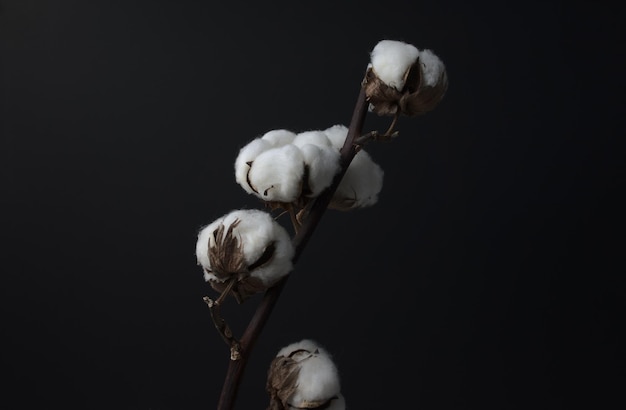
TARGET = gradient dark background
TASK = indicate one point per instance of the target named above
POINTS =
(487, 276)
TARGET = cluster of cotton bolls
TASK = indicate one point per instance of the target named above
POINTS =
(401, 79)
(303, 375)
(283, 167)
(246, 247)
(246, 251)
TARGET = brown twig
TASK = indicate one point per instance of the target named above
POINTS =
(220, 324)
(236, 367)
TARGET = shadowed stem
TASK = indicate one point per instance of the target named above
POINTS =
(348, 151)
(220, 323)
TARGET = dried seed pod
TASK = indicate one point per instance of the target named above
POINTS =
(400, 79)
(247, 246)
(304, 376)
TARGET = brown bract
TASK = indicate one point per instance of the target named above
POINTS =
(228, 261)
(415, 98)
(282, 382)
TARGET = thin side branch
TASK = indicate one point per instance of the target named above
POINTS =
(220, 324)
(310, 221)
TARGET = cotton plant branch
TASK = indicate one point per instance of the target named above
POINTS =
(246, 252)
(236, 368)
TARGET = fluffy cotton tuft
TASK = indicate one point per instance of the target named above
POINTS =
(317, 382)
(337, 135)
(246, 154)
(318, 379)
(360, 185)
(432, 68)
(322, 164)
(315, 137)
(391, 59)
(258, 237)
(278, 138)
(276, 174)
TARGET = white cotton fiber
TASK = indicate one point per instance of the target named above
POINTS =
(391, 59)
(276, 174)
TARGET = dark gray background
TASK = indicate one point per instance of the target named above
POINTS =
(487, 276)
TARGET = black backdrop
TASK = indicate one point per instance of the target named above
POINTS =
(486, 276)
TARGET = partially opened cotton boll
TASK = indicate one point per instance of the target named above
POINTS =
(246, 155)
(337, 135)
(279, 137)
(247, 246)
(276, 175)
(303, 375)
(426, 86)
(401, 79)
(360, 185)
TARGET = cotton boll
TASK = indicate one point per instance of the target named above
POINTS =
(337, 135)
(303, 375)
(278, 138)
(276, 174)
(314, 137)
(247, 154)
(391, 59)
(322, 163)
(400, 79)
(247, 245)
(432, 68)
(360, 184)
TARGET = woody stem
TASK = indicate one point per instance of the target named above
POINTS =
(307, 227)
